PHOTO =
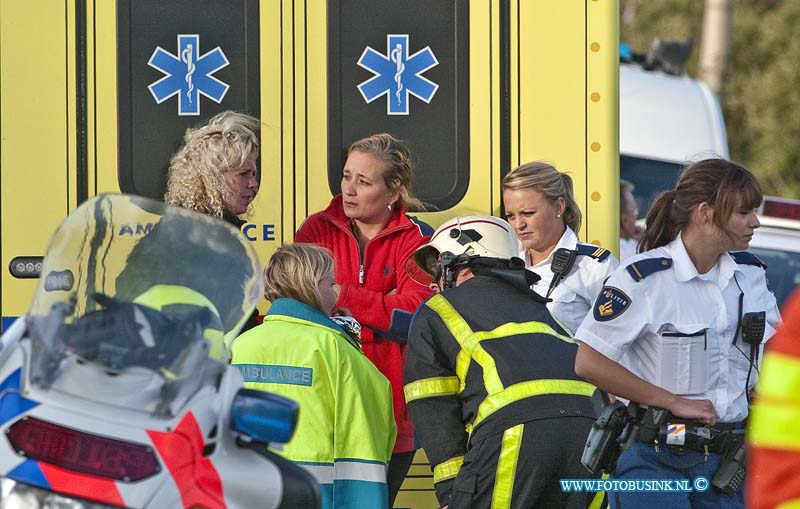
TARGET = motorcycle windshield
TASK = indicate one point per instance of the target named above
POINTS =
(137, 302)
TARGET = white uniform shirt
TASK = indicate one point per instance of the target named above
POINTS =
(575, 294)
(677, 327)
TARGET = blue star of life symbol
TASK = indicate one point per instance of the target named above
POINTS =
(397, 75)
(188, 75)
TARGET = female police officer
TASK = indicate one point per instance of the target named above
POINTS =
(687, 313)
(540, 205)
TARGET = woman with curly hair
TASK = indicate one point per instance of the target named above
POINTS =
(214, 171)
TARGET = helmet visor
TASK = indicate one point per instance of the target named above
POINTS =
(422, 265)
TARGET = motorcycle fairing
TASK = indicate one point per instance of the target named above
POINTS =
(195, 476)
(12, 403)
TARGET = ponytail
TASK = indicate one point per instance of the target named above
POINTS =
(722, 184)
(572, 214)
(662, 225)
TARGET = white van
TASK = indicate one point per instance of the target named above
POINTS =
(665, 121)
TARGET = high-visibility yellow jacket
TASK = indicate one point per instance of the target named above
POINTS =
(773, 470)
(346, 430)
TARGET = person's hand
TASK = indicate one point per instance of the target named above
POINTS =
(699, 409)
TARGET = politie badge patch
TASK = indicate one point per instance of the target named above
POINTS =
(611, 303)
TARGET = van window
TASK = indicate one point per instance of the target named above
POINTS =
(649, 177)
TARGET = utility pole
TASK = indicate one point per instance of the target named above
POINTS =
(715, 44)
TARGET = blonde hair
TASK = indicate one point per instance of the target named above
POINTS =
(295, 270)
(553, 184)
(398, 174)
(196, 178)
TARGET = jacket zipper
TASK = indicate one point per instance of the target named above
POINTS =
(361, 264)
(361, 275)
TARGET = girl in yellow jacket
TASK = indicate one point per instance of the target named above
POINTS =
(346, 430)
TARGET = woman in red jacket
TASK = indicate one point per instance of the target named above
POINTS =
(371, 237)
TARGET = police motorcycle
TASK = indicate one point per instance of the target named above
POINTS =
(115, 391)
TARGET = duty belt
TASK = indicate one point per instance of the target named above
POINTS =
(696, 436)
(725, 439)
(656, 425)
(617, 426)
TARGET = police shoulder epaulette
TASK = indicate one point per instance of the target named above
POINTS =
(598, 253)
(643, 268)
(745, 258)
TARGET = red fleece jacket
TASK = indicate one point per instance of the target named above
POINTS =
(384, 286)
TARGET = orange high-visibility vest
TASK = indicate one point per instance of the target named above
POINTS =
(773, 470)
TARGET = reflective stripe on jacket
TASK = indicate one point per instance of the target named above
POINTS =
(346, 431)
(773, 457)
(482, 358)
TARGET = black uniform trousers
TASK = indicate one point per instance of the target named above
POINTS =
(525, 463)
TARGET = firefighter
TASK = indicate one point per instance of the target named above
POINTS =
(489, 378)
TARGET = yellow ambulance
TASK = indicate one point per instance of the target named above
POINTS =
(95, 96)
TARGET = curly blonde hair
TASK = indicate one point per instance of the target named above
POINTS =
(196, 178)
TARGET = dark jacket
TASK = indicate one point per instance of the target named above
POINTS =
(483, 357)
(253, 319)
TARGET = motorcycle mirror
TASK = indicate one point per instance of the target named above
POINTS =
(263, 417)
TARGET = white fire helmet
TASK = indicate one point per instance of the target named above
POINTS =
(466, 237)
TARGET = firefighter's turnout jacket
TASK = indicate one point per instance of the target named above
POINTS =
(345, 431)
(482, 358)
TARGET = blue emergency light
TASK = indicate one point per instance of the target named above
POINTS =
(263, 417)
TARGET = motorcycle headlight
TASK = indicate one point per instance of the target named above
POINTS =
(17, 495)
